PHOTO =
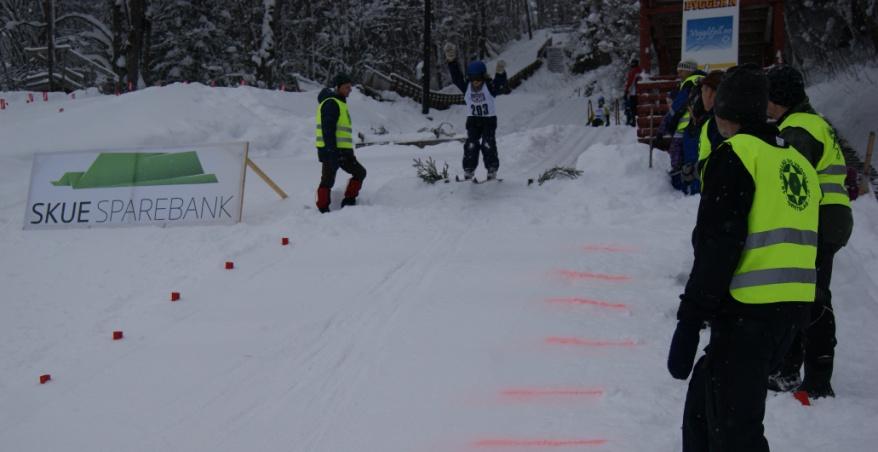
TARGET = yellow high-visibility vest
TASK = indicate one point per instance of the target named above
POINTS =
(831, 169)
(704, 149)
(684, 120)
(344, 138)
(778, 261)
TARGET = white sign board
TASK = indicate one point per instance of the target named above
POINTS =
(189, 185)
(710, 32)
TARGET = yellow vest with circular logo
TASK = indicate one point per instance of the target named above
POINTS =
(831, 169)
(777, 263)
(344, 138)
(684, 120)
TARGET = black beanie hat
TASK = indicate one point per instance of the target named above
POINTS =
(786, 87)
(742, 95)
(341, 78)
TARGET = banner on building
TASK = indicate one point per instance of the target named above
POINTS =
(188, 185)
(710, 32)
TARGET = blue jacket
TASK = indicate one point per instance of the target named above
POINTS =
(679, 105)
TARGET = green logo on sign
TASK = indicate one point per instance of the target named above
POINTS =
(795, 185)
(119, 169)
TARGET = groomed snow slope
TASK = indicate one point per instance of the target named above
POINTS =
(430, 318)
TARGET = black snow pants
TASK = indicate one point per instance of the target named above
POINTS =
(815, 346)
(631, 110)
(725, 403)
(347, 162)
(480, 133)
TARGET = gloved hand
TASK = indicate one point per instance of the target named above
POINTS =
(684, 347)
(450, 52)
(501, 67)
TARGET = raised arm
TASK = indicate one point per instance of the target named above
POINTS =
(454, 66)
(457, 75)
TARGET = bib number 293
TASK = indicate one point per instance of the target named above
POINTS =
(479, 110)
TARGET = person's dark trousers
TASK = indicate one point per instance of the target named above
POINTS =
(480, 137)
(347, 162)
(815, 346)
(631, 111)
(819, 337)
(725, 403)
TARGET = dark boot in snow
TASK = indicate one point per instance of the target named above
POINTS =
(349, 202)
(817, 378)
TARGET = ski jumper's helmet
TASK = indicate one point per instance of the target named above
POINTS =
(476, 70)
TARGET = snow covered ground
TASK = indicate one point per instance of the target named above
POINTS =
(445, 317)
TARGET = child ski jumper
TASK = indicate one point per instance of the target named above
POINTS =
(481, 122)
(600, 116)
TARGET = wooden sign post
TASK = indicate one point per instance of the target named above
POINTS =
(266, 179)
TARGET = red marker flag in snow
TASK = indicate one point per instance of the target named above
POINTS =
(802, 397)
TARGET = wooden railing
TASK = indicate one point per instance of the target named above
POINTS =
(652, 104)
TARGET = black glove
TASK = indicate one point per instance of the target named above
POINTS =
(684, 346)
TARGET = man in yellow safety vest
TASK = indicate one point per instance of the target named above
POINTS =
(753, 278)
(816, 139)
(335, 144)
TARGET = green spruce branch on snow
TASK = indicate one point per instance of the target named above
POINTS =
(428, 172)
(559, 171)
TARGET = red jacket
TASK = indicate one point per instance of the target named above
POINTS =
(631, 79)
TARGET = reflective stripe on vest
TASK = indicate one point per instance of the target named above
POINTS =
(831, 169)
(344, 138)
(684, 120)
(777, 263)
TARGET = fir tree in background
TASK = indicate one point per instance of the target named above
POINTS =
(269, 43)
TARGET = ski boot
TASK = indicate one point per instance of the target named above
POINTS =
(817, 377)
(781, 381)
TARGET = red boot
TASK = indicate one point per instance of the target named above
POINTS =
(350, 194)
(323, 199)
